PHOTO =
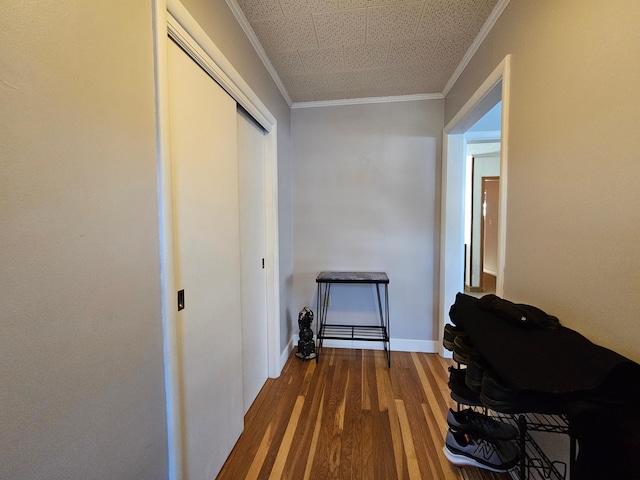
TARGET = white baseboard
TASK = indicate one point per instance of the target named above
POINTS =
(286, 352)
(409, 345)
(397, 344)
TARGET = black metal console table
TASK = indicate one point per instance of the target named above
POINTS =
(333, 331)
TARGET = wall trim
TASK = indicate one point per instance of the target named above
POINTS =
(410, 345)
(286, 352)
(369, 100)
(494, 88)
(397, 345)
(167, 265)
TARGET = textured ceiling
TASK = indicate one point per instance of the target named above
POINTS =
(344, 49)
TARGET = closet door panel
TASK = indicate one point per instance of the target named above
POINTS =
(207, 259)
(252, 253)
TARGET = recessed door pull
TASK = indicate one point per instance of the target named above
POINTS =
(180, 300)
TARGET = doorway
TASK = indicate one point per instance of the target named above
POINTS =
(452, 258)
(489, 234)
(482, 162)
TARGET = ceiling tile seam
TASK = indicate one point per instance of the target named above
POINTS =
(315, 30)
(366, 25)
(386, 57)
(315, 27)
(424, 7)
(435, 48)
(342, 10)
(281, 9)
(354, 9)
(415, 37)
(301, 60)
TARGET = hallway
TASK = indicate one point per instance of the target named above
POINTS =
(350, 417)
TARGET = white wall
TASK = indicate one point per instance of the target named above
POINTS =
(81, 359)
(573, 217)
(365, 196)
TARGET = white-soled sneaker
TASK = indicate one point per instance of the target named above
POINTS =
(464, 449)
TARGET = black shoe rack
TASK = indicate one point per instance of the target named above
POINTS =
(534, 463)
(584, 389)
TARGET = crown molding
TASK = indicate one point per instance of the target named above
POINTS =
(484, 31)
(246, 27)
(369, 100)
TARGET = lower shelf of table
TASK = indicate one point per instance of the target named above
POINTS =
(372, 333)
(366, 333)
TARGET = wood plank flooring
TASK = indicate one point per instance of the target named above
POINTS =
(350, 417)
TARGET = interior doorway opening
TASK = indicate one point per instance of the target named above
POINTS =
(482, 163)
(489, 234)
(494, 90)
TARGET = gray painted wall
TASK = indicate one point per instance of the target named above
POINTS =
(366, 197)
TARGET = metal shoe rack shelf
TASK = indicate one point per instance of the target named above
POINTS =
(534, 463)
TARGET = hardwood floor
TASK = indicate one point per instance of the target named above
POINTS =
(350, 417)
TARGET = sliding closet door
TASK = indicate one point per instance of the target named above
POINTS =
(255, 359)
(207, 246)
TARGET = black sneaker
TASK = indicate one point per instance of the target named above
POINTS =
(481, 425)
(459, 390)
(464, 449)
(501, 398)
(462, 349)
(475, 372)
(450, 334)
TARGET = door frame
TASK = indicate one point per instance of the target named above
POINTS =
(495, 88)
(172, 20)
